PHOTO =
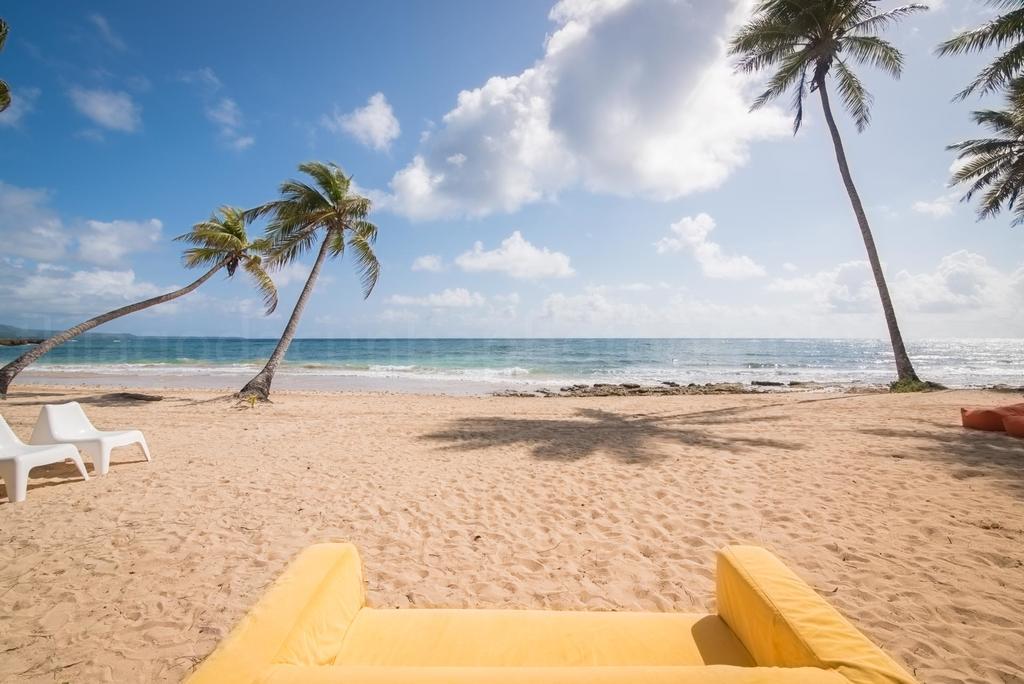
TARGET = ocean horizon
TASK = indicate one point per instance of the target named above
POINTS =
(480, 364)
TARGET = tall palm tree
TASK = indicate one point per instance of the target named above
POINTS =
(220, 242)
(5, 92)
(995, 166)
(328, 212)
(805, 42)
(1005, 30)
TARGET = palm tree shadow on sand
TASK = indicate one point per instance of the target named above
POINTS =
(633, 439)
(970, 453)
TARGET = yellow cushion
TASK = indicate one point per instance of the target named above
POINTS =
(714, 674)
(312, 627)
(302, 618)
(535, 638)
(783, 622)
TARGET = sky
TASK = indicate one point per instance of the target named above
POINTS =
(538, 168)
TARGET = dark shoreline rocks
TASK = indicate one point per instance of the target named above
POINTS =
(630, 389)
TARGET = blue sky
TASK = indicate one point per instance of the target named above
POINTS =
(585, 167)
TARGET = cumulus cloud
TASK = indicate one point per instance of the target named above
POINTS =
(374, 125)
(631, 97)
(222, 111)
(940, 207)
(106, 33)
(518, 258)
(23, 101)
(963, 283)
(107, 243)
(204, 77)
(54, 291)
(228, 117)
(602, 311)
(847, 288)
(114, 110)
(428, 262)
(28, 227)
(691, 234)
(457, 298)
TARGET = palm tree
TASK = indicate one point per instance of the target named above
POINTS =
(996, 165)
(1005, 29)
(805, 42)
(329, 212)
(5, 92)
(220, 242)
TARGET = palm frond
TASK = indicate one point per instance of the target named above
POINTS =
(998, 74)
(4, 30)
(884, 20)
(329, 178)
(264, 284)
(5, 95)
(802, 42)
(875, 52)
(367, 266)
(856, 98)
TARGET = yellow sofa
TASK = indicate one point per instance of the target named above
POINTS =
(313, 626)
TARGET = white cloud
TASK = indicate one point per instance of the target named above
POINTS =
(940, 207)
(28, 227)
(223, 111)
(228, 117)
(691, 234)
(106, 33)
(204, 77)
(81, 293)
(293, 272)
(114, 110)
(374, 125)
(428, 262)
(659, 117)
(847, 288)
(962, 282)
(964, 286)
(107, 243)
(23, 101)
(457, 298)
(518, 258)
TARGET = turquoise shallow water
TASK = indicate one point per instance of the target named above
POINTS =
(534, 361)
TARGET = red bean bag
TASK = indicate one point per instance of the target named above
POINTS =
(1014, 425)
(989, 419)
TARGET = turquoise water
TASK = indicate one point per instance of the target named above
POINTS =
(511, 362)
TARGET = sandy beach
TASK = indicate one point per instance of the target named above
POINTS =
(910, 526)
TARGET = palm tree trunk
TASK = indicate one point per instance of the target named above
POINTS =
(259, 386)
(8, 372)
(904, 368)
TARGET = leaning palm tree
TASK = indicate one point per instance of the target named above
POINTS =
(328, 212)
(220, 242)
(995, 166)
(1005, 31)
(5, 92)
(805, 42)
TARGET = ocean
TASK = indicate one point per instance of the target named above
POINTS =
(482, 364)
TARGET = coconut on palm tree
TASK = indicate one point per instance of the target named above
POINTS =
(327, 212)
(808, 44)
(1005, 32)
(994, 166)
(5, 92)
(218, 243)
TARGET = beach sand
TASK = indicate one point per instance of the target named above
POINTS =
(906, 523)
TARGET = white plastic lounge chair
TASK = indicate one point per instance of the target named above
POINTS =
(17, 458)
(68, 424)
